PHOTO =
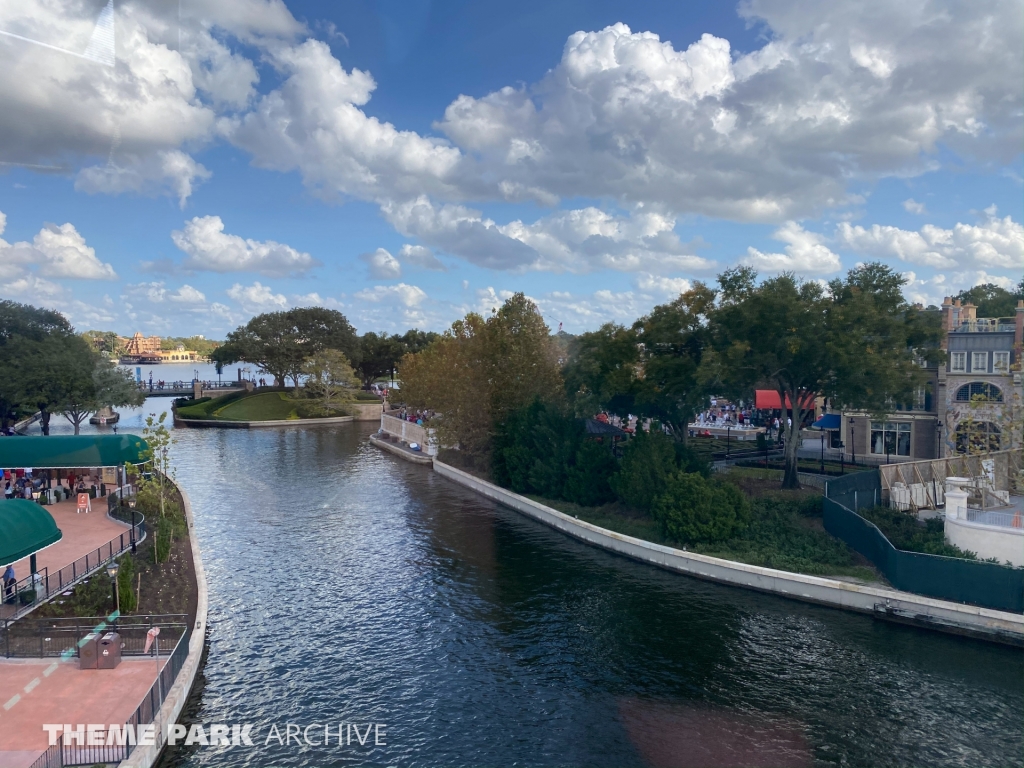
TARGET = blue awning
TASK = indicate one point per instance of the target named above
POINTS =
(828, 421)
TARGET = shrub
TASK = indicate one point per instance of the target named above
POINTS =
(696, 510)
(587, 480)
(126, 584)
(648, 461)
(904, 531)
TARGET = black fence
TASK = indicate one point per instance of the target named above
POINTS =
(946, 578)
(44, 638)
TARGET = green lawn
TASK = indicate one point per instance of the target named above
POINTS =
(265, 406)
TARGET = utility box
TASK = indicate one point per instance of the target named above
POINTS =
(88, 651)
(109, 653)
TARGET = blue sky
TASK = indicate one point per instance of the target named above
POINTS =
(408, 162)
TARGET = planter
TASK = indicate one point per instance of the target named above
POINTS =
(27, 596)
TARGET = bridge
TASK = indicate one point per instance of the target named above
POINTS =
(187, 388)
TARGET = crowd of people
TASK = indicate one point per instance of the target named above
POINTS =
(414, 416)
(24, 483)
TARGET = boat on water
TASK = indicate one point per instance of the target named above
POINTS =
(105, 416)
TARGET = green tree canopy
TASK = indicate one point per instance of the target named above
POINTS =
(481, 370)
(280, 342)
(992, 300)
(857, 342)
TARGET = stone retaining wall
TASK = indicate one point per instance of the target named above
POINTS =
(879, 601)
(145, 757)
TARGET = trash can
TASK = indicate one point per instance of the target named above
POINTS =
(88, 651)
(109, 655)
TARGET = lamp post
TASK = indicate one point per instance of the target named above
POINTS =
(853, 440)
(112, 573)
(823, 452)
(938, 437)
(131, 506)
(842, 457)
(728, 427)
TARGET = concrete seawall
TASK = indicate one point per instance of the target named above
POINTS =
(878, 601)
(177, 696)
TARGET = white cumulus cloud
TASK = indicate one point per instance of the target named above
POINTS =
(383, 266)
(209, 248)
(257, 298)
(402, 293)
(420, 256)
(995, 243)
(805, 253)
(57, 251)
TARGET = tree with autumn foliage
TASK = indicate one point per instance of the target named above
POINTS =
(479, 371)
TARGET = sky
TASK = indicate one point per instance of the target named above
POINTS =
(175, 167)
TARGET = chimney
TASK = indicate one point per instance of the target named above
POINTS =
(947, 314)
(970, 313)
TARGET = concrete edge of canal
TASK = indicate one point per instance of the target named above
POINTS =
(147, 756)
(890, 604)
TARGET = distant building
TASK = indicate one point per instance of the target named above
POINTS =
(970, 397)
(141, 345)
(179, 355)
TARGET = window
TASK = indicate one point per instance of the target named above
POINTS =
(1001, 362)
(979, 362)
(958, 362)
(890, 438)
(979, 390)
(976, 437)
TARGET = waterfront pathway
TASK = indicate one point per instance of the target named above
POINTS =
(57, 691)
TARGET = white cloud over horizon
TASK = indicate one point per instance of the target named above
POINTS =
(208, 248)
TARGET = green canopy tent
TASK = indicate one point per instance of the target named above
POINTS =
(25, 528)
(68, 451)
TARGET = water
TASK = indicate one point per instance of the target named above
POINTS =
(347, 585)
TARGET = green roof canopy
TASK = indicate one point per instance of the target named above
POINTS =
(25, 527)
(62, 451)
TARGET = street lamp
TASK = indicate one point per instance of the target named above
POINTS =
(112, 573)
(823, 452)
(853, 440)
(131, 506)
(728, 427)
(938, 437)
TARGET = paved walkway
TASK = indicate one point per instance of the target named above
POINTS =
(82, 533)
(37, 691)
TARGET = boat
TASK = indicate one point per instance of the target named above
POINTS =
(105, 415)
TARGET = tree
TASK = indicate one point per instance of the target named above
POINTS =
(480, 370)
(116, 387)
(992, 300)
(603, 370)
(452, 377)
(379, 355)
(674, 338)
(29, 337)
(330, 380)
(281, 342)
(858, 343)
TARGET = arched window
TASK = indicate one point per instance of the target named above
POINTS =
(975, 437)
(989, 392)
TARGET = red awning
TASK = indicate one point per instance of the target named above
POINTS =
(768, 399)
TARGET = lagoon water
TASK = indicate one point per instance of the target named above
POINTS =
(348, 586)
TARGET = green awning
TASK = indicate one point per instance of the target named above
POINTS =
(25, 527)
(63, 451)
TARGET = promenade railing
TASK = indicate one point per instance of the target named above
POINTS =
(45, 584)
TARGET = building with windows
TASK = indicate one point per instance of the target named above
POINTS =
(974, 400)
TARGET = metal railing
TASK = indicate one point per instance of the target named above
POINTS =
(72, 749)
(999, 519)
(59, 637)
(48, 585)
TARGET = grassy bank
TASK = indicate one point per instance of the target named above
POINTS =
(785, 530)
(257, 406)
